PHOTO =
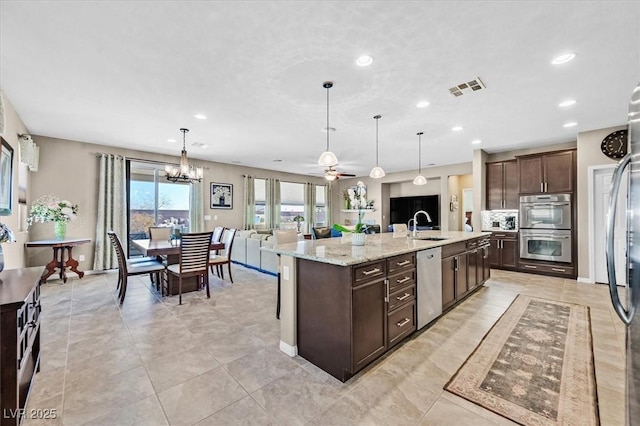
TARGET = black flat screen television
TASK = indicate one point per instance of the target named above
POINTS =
(403, 208)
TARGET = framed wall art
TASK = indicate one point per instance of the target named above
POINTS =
(6, 178)
(221, 195)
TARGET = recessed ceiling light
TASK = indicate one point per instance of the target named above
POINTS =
(563, 59)
(171, 140)
(200, 116)
(572, 124)
(476, 142)
(422, 104)
(567, 103)
(457, 128)
(364, 61)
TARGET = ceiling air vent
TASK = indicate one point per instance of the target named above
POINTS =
(462, 88)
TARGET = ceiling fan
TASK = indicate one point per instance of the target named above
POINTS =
(332, 174)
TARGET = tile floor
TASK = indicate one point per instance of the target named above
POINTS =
(216, 361)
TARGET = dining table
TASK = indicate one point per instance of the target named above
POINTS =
(170, 249)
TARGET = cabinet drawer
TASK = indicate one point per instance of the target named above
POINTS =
(405, 261)
(401, 279)
(453, 249)
(369, 271)
(401, 323)
(558, 270)
(402, 296)
(504, 235)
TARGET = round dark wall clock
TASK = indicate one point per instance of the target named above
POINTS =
(615, 145)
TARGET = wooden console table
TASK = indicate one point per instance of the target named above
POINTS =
(58, 261)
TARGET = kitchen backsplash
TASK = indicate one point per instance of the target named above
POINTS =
(490, 217)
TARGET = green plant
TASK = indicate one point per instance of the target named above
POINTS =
(359, 229)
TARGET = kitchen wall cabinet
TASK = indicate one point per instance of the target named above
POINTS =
(549, 172)
(504, 252)
(502, 185)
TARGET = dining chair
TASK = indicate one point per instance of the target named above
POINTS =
(283, 237)
(318, 233)
(194, 258)
(218, 260)
(400, 228)
(217, 235)
(127, 268)
(159, 233)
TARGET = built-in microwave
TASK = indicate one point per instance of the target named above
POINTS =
(545, 211)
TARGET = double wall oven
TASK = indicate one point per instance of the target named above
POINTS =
(545, 227)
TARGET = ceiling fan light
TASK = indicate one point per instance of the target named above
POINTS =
(377, 172)
(419, 180)
(330, 176)
(327, 159)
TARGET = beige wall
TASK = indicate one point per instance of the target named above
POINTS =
(14, 253)
(69, 170)
(589, 155)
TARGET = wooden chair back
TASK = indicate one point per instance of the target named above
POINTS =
(122, 260)
(217, 234)
(194, 253)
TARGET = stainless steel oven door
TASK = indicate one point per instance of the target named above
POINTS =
(545, 211)
(545, 244)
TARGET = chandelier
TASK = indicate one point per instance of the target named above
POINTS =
(184, 172)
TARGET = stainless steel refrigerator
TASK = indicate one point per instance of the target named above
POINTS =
(626, 300)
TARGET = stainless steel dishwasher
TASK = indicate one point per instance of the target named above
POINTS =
(429, 291)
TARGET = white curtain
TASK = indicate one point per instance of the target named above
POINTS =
(328, 204)
(249, 203)
(310, 205)
(196, 207)
(112, 210)
(272, 210)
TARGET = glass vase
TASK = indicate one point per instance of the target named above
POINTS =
(60, 230)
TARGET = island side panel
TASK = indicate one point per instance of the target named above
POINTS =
(324, 316)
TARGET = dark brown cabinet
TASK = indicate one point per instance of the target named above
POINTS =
(549, 172)
(504, 250)
(465, 267)
(20, 343)
(349, 316)
(502, 185)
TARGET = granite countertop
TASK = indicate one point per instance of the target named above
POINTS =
(340, 251)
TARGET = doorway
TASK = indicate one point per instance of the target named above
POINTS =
(467, 209)
(601, 184)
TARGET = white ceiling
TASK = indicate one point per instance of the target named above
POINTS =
(130, 74)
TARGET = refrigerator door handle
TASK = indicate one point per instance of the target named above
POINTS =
(624, 315)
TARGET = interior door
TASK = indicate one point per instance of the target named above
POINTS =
(602, 188)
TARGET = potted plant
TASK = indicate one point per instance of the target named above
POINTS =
(357, 233)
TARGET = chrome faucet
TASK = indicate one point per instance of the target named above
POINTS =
(415, 221)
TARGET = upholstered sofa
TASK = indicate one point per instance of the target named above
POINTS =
(246, 251)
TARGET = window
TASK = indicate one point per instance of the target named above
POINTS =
(321, 206)
(154, 201)
(291, 204)
(260, 191)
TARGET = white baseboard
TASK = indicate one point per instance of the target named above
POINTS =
(585, 280)
(288, 349)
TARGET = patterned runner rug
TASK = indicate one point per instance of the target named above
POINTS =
(535, 365)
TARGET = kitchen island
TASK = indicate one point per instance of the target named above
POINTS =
(342, 306)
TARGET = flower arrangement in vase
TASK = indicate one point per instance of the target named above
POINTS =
(51, 209)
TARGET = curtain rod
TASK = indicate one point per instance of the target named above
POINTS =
(139, 160)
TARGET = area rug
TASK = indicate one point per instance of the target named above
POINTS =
(535, 366)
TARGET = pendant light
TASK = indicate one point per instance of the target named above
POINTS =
(184, 172)
(420, 180)
(377, 171)
(328, 158)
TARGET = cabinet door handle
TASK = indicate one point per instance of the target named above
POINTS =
(455, 263)
(541, 187)
(406, 296)
(371, 271)
(386, 290)
(530, 267)
(403, 263)
(500, 235)
(403, 280)
(558, 269)
(546, 187)
(403, 322)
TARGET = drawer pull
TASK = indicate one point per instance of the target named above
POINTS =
(372, 271)
(403, 322)
(404, 280)
(403, 263)
(558, 269)
(406, 295)
(530, 267)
